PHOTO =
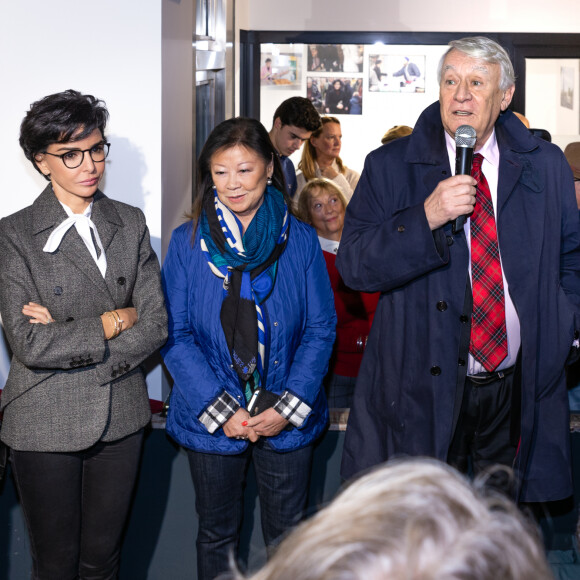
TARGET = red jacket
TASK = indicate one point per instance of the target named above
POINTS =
(354, 312)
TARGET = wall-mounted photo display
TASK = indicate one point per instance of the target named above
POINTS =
(567, 87)
(335, 95)
(345, 58)
(364, 115)
(396, 73)
(281, 69)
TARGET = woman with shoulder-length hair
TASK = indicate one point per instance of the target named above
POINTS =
(323, 205)
(321, 158)
(251, 329)
(82, 308)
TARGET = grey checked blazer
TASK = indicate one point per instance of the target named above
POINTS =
(68, 387)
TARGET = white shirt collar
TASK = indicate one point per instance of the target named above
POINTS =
(329, 246)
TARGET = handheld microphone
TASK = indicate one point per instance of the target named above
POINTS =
(465, 138)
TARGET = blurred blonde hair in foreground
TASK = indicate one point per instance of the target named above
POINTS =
(412, 520)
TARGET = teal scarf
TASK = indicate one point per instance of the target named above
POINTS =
(248, 262)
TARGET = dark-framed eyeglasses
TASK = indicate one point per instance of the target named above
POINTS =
(75, 157)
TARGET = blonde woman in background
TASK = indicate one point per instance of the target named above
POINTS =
(323, 205)
(321, 158)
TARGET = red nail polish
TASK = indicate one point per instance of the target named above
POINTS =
(244, 423)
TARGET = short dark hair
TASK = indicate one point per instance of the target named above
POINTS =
(298, 112)
(243, 132)
(56, 118)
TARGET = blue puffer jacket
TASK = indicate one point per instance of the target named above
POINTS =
(301, 324)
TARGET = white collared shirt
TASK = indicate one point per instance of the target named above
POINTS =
(84, 225)
(327, 245)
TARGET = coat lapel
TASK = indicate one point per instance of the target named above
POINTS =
(430, 151)
(521, 200)
(515, 146)
(106, 218)
(108, 221)
(48, 213)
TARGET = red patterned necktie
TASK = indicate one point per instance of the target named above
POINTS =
(488, 332)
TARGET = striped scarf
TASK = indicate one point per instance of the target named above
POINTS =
(248, 264)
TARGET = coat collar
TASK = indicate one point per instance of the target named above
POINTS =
(517, 147)
(47, 213)
(427, 142)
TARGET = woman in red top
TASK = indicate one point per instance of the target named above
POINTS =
(322, 204)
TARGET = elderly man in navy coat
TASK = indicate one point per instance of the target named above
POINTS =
(424, 387)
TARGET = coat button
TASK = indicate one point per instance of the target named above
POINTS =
(435, 371)
(442, 306)
(461, 362)
(57, 290)
(121, 281)
(401, 229)
(463, 319)
(275, 324)
(450, 240)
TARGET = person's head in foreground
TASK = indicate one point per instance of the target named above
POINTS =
(412, 520)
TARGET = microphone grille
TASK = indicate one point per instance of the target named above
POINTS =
(465, 136)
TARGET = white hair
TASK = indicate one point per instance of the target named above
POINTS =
(412, 520)
(485, 49)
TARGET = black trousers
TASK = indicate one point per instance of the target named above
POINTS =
(75, 506)
(485, 434)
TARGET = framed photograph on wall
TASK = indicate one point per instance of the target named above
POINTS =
(281, 69)
(396, 73)
(344, 58)
(567, 87)
(332, 95)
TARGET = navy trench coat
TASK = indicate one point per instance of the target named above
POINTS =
(405, 396)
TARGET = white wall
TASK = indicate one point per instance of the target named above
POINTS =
(101, 49)
(113, 50)
(543, 103)
(413, 15)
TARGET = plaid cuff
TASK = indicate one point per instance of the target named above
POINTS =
(219, 412)
(292, 409)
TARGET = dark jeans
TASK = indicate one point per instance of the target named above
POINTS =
(219, 482)
(75, 506)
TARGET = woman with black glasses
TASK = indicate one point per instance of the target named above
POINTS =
(82, 307)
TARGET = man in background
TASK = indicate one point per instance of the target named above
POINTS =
(409, 71)
(294, 121)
